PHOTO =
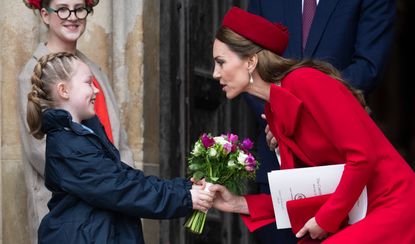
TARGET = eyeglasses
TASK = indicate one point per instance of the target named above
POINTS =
(64, 13)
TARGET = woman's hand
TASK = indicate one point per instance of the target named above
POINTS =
(315, 231)
(202, 200)
(227, 202)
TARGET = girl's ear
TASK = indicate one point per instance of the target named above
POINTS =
(45, 16)
(63, 90)
(252, 63)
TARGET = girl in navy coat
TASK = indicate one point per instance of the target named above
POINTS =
(96, 198)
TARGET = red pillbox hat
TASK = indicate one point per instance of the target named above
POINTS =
(268, 35)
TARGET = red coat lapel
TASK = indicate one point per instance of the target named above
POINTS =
(283, 112)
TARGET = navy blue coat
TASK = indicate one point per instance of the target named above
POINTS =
(96, 198)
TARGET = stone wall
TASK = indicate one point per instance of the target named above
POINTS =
(114, 40)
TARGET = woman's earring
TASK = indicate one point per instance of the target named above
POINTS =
(251, 80)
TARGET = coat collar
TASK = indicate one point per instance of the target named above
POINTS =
(285, 105)
(55, 119)
(42, 50)
(283, 114)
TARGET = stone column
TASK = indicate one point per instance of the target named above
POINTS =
(114, 40)
(19, 34)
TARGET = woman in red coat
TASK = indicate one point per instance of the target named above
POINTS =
(317, 120)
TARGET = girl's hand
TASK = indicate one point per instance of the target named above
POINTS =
(201, 182)
(315, 231)
(202, 200)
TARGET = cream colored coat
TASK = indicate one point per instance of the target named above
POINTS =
(34, 150)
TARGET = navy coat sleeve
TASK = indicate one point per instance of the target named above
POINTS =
(99, 180)
(255, 7)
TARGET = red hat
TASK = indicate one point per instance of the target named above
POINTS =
(271, 36)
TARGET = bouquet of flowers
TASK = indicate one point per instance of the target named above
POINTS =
(220, 160)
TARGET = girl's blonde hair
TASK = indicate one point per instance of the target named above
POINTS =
(49, 70)
(272, 67)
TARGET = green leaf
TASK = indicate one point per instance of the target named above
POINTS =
(194, 167)
(198, 175)
(214, 179)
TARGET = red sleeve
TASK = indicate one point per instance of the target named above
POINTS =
(261, 212)
(348, 126)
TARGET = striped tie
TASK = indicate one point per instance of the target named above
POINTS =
(309, 9)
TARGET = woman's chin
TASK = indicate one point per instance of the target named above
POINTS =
(231, 95)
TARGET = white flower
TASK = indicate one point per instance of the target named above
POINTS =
(197, 150)
(242, 157)
(220, 140)
(212, 152)
(231, 163)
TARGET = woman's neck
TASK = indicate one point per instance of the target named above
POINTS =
(57, 45)
(259, 88)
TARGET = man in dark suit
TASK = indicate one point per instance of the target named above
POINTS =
(353, 35)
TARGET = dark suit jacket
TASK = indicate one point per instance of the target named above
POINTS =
(353, 35)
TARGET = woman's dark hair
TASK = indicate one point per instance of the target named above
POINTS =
(272, 67)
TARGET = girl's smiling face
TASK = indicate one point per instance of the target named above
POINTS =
(81, 93)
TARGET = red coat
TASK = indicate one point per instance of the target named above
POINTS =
(317, 121)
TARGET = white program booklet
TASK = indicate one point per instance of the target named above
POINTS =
(300, 183)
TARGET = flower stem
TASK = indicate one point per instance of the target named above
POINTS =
(196, 222)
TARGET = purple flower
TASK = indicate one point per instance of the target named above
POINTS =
(247, 144)
(250, 160)
(232, 138)
(207, 141)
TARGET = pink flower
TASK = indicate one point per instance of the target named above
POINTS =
(89, 2)
(207, 141)
(232, 138)
(227, 147)
(247, 144)
(34, 4)
(249, 168)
